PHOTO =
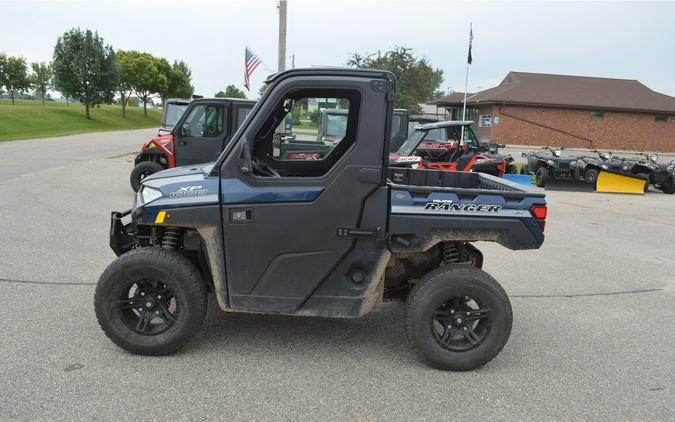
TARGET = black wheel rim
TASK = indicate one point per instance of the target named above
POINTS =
(144, 174)
(148, 307)
(460, 324)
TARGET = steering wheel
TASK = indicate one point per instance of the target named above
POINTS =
(264, 169)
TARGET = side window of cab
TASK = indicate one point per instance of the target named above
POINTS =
(204, 121)
(307, 134)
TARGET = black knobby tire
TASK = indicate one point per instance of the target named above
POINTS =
(487, 313)
(591, 176)
(541, 176)
(646, 177)
(137, 280)
(141, 171)
(668, 187)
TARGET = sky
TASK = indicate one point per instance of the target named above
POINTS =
(629, 40)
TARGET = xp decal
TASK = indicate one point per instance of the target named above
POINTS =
(186, 191)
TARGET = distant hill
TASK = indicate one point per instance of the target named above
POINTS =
(30, 119)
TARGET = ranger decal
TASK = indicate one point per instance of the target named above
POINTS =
(449, 206)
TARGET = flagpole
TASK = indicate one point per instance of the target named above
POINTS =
(466, 82)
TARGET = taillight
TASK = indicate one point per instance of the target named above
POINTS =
(539, 214)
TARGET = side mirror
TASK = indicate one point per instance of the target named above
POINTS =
(245, 165)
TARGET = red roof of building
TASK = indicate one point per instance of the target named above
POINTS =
(571, 91)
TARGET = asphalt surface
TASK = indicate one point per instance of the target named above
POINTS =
(593, 334)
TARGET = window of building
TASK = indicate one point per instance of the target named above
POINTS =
(485, 120)
(598, 114)
(661, 119)
(282, 151)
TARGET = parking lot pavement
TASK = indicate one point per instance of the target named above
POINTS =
(593, 336)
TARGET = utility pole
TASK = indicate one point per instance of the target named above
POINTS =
(282, 35)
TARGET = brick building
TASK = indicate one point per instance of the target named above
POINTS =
(574, 111)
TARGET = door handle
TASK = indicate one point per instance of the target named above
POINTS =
(241, 215)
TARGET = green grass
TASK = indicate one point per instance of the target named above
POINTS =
(305, 124)
(30, 119)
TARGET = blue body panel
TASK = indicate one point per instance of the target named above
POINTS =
(235, 191)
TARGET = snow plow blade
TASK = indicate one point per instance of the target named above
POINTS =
(615, 182)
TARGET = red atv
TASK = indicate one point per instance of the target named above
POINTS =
(198, 136)
(424, 149)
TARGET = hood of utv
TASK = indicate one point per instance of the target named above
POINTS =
(199, 169)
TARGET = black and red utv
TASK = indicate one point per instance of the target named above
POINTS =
(198, 136)
(454, 153)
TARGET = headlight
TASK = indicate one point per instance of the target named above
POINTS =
(148, 194)
(550, 162)
(604, 166)
(573, 163)
(624, 168)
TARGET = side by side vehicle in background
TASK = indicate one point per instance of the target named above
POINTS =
(174, 108)
(199, 135)
(440, 146)
(330, 237)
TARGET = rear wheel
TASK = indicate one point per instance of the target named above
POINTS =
(541, 176)
(459, 318)
(668, 187)
(141, 171)
(150, 301)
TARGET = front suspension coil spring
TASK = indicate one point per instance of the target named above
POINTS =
(171, 239)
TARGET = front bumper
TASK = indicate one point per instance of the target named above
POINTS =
(121, 239)
(571, 173)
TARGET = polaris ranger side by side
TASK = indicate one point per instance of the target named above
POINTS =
(330, 237)
(439, 146)
(198, 136)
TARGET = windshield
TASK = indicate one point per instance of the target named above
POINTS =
(172, 113)
(336, 125)
(410, 144)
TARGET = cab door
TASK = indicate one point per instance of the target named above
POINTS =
(307, 236)
(198, 138)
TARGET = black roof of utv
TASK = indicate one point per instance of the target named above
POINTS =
(330, 71)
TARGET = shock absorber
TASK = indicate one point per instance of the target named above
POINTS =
(171, 238)
(451, 253)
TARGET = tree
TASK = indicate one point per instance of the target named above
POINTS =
(14, 75)
(231, 91)
(179, 81)
(85, 68)
(417, 80)
(126, 62)
(150, 78)
(41, 78)
(3, 63)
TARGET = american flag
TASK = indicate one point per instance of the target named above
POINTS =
(251, 61)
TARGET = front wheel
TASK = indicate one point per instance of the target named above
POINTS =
(150, 301)
(141, 171)
(459, 318)
(591, 176)
(668, 187)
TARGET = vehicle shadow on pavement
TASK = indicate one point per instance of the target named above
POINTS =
(283, 337)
